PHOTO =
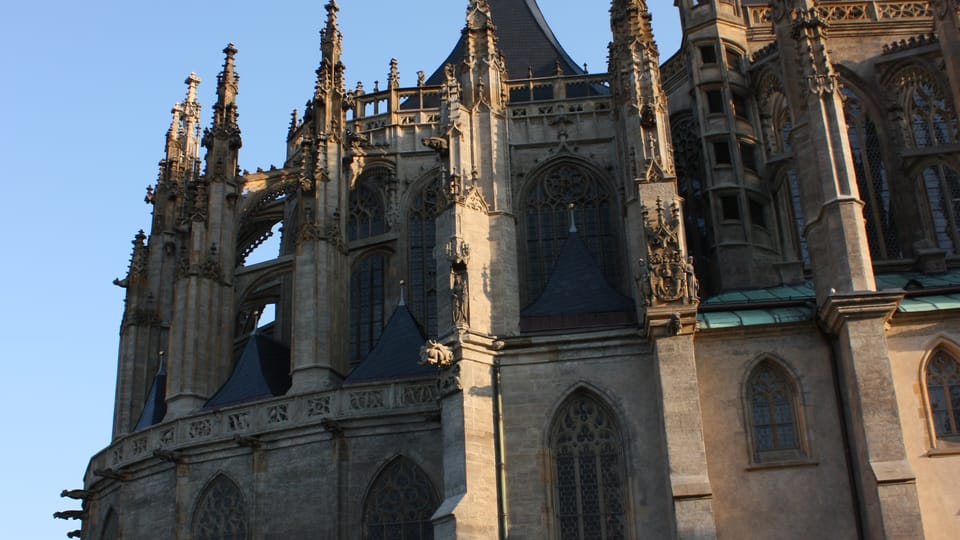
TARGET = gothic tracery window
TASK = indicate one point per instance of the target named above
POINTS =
(367, 216)
(220, 512)
(871, 178)
(690, 183)
(942, 185)
(400, 504)
(931, 116)
(590, 474)
(547, 224)
(421, 239)
(772, 413)
(366, 305)
(943, 392)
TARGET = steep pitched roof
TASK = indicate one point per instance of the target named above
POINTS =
(525, 40)
(577, 294)
(396, 354)
(155, 408)
(262, 371)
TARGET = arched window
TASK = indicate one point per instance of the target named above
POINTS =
(111, 526)
(790, 216)
(871, 178)
(590, 471)
(930, 117)
(547, 222)
(366, 305)
(367, 218)
(772, 413)
(943, 391)
(421, 239)
(942, 185)
(690, 181)
(400, 503)
(220, 512)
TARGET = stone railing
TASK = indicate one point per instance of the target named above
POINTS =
(850, 12)
(253, 419)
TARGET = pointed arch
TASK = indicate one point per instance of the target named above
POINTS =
(929, 114)
(111, 526)
(400, 502)
(940, 182)
(220, 512)
(544, 207)
(940, 380)
(773, 413)
(869, 162)
(588, 467)
(423, 205)
(368, 216)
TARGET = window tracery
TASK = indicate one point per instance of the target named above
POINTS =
(943, 393)
(868, 162)
(773, 414)
(931, 116)
(590, 481)
(367, 216)
(690, 180)
(220, 513)
(366, 305)
(942, 185)
(400, 504)
(547, 224)
(422, 270)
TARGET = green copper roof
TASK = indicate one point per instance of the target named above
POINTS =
(913, 282)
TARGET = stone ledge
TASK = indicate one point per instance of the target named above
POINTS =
(840, 308)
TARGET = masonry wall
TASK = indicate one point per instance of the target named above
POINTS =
(911, 339)
(806, 498)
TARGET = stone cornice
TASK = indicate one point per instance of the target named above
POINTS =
(840, 308)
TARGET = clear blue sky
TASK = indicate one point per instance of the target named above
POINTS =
(86, 93)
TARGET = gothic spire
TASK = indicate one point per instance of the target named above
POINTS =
(225, 111)
(330, 72)
(222, 140)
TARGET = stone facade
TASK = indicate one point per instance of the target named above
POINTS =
(777, 205)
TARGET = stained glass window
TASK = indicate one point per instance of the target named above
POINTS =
(773, 416)
(367, 217)
(366, 305)
(931, 116)
(400, 504)
(422, 270)
(943, 391)
(871, 179)
(590, 472)
(111, 527)
(547, 224)
(220, 513)
(943, 194)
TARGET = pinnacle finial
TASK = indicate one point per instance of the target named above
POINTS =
(192, 82)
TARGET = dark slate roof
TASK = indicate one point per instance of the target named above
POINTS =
(262, 371)
(525, 40)
(396, 354)
(155, 407)
(577, 294)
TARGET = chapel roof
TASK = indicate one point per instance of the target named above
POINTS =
(525, 40)
(262, 371)
(155, 407)
(396, 354)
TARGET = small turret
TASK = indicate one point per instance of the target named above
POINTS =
(223, 140)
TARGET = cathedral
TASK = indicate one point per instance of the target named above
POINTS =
(710, 296)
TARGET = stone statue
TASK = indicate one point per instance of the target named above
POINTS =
(435, 354)
(459, 297)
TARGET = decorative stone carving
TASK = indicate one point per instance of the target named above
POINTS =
(419, 394)
(367, 399)
(435, 354)
(665, 274)
(449, 381)
(278, 414)
(200, 429)
(810, 31)
(318, 406)
(76, 494)
(460, 296)
(238, 421)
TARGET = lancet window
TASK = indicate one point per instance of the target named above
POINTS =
(942, 184)
(871, 178)
(400, 504)
(547, 223)
(943, 392)
(366, 305)
(367, 217)
(220, 512)
(590, 473)
(421, 239)
(772, 409)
